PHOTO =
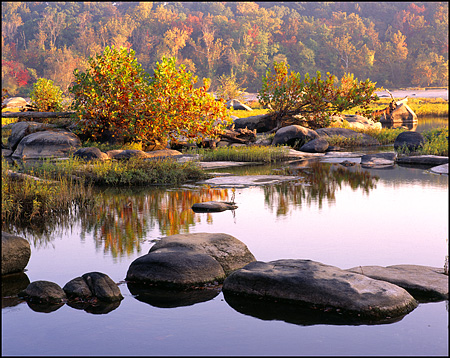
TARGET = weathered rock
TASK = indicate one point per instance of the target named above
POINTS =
(16, 253)
(294, 133)
(318, 145)
(213, 206)
(20, 130)
(364, 139)
(102, 287)
(190, 259)
(427, 160)
(125, 154)
(424, 282)
(403, 113)
(261, 122)
(316, 284)
(55, 143)
(378, 160)
(409, 140)
(90, 153)
(236, 104)
(45, 292)
(247, 180)
(6, 152)
(163, 153)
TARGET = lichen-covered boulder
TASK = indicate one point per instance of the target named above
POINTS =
(20, 130)
(190, 259)
(318, 285)
(16, 252)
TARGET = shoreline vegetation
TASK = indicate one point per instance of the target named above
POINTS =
(39, 201)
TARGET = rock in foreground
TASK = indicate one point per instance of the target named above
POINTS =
(16, 253)
(190, 259)
(319, 285)
(424, 282)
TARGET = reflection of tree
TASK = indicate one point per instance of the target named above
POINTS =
(123, 217)
(318, 181)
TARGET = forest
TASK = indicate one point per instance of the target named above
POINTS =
(395, 44)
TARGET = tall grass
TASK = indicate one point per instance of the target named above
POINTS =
(266, 154)
(32, 200)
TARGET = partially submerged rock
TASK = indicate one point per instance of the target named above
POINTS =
(16, 252)
(378, 160)
(409, 140)
(426, 160)
(44, 292)
(318, 285)
(247, 180)
(440, 169)
(213, 206)
(93, 285)
(425, 282)
(190, 259)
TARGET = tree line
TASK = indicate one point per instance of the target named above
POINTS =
(396, 44)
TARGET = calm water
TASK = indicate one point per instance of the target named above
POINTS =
(352, 217)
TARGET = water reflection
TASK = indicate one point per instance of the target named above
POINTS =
(303, 315)
(319, 182)
(125, 216)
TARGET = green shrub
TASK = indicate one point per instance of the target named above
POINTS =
(46, 97)
(228, 88)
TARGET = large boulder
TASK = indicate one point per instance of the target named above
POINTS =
(15, 102)
(261, 122)
(190, 259)
(423, 282)
(292, 134)
(54, 143)
(20, 130)
(403, 113)
(363, 139)
(318, 285)
(45, 292)
(409, 140)
(16, 253)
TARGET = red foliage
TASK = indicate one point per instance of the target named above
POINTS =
(16, 70)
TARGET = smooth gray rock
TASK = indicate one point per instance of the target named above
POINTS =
(19, 130)
(190, 259)
(378, 160)
(16, 252)
(54, 143)
(425, 282)
(102, 287)
(236, 104)
(440, 169)
(318, 145)
(316, 284)
(247, 180)
(409, 140)
(364, 139)
(293, 133)
(213, 206)
(90, 153)
(45, 292)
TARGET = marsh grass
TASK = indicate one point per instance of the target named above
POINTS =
(265, 154)
(40, 201)
(135, 171)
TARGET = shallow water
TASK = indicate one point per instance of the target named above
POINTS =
(348, 219)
